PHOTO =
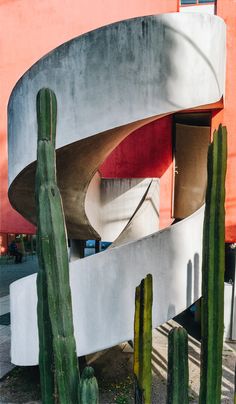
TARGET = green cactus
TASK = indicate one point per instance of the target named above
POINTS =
(143, 341)
(46, 360)
(88, 387)
(213, 267)
(177, 382)
(55, 323)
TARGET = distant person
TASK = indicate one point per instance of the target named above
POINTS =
(13, 250)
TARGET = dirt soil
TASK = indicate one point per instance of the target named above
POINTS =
(113, 369)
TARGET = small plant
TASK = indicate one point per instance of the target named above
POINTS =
(88, 387)
(122, 400)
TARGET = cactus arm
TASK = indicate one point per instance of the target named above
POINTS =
(143, 340)
(53, 251)
(177, 382)
(213, 272)
(89, 393)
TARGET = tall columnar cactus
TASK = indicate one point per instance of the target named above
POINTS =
(213, 267)
(88, 387)
(177, 383)
(46, 360)
(143, 341)
(57, 343)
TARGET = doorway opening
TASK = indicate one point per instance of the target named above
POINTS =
(190, 143)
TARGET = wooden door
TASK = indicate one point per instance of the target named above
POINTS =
(191, 145)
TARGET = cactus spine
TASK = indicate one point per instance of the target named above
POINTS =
(88, 387)
(54, 297)
(177, 383)
(213, 271)
(143, 341)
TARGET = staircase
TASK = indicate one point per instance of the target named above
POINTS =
(108, 83)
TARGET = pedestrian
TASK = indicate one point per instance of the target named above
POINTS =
(13, 250)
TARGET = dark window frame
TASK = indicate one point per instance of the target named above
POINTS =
(196, 2)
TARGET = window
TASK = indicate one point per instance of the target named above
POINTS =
(184, 2)
(193, 2)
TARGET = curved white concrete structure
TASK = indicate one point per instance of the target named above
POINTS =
(108, 83)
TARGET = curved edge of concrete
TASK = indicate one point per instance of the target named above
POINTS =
(103, 290)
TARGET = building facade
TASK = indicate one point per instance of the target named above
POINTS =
(37, 29)
(138, 102)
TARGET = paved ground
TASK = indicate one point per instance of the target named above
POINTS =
(11, 272)
(113, 367)
(8, 274)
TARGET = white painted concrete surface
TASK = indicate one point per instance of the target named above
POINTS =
(111, 204)
(204, 8)
(228, 293)
(103, 290)
(145, 219)
(119, 74)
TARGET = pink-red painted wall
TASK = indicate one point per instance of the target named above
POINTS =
(226, 9)
(29, 29)
(147, 152)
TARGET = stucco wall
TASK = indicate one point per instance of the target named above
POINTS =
(227, 10)
(30, 29)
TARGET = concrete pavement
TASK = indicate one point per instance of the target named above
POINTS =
(8, 274)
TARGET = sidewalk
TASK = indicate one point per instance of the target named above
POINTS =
(114, 371)
(5, 338)
(8, 274)
(11, 272)
(113, 367)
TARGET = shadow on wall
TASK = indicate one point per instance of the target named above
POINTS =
(190, 42)
(171, 311)
(192, 292)
(147, 152)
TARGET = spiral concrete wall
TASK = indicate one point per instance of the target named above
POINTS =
(108, 83)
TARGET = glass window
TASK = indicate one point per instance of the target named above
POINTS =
(183, 2)
(90, 243)
(206, 1)
(192, 2)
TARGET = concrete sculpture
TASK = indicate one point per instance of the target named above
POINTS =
(108, 83)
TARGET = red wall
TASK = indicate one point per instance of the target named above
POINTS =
(226, 9)
(147, 152)
(29, 29)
